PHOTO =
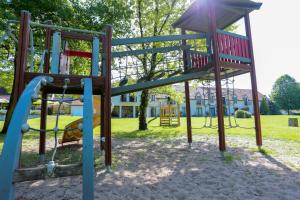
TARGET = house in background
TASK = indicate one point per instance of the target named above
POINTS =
(4, 99)
(127, 105)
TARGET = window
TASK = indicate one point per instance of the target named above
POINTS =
(246, 101)
(123, 98)
(212, 99)
(132, 98)
(153, 98)
(224, 100)
(235, 100)
(198, 100)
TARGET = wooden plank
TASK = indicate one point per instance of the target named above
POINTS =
(74, 86)
(127, 41)
(231, 57)
(76, 36)
(146, 51)
(232, 34)
(158, 83)
(230, 65)
(40, 172)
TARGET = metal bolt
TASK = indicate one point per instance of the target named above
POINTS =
(80, 126)
(81, 98)
(67, 81)
(25, 128)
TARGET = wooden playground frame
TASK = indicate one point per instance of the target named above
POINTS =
(197, 65)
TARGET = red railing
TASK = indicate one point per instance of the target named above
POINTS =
(233, 47)
(198, 59)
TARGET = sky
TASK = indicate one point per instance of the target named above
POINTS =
(276, 40)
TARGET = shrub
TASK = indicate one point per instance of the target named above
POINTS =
(246, 108)
(2, 112)
(35, 112)
(242, 114)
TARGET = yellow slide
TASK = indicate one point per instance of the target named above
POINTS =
(72, 133)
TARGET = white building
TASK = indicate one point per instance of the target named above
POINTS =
(127, 105)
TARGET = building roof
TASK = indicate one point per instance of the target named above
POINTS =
(227, 12)
(239, 93)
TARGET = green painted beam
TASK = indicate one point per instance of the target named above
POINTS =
(158, 83)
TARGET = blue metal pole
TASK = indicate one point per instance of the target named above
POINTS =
(12, 145)
(55, 52)
(95, 58)
(88, 150)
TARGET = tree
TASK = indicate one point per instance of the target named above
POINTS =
(152, 18)
(286, 93)
(264, 107)
(274, 108)
(89, 14)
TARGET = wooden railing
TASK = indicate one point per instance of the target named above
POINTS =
(198, 59)
(233, 47)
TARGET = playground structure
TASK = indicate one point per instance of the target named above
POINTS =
(225, 55)
(71, 131)
(170, 115)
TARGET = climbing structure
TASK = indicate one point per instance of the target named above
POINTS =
(177, 58)
(36, 83)
(169, 115)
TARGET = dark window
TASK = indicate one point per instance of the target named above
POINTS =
(153, 98)
(246, 101)
(235, 100)
(224, 100)
(123, 98)
(132, 98)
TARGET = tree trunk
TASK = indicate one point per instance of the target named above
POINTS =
(143, 110)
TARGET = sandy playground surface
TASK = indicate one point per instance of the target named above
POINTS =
(149, 169)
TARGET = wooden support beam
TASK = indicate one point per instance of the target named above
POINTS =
(217, 72)
(187, 94)
(107, 97)
(158, 83)
(254, 84)
(44, 107)
(20, 66)
(74, 86)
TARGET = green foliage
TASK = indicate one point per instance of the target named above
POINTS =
(170, 92)
(246, 108)
(88, 14)
(286, 93)
(242, 114)
(6, 78)
(274, 108)
(264, 107)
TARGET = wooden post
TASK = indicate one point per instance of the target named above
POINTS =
(187, 94)
(44, 110)
(107, 97)
(253, 83)
(20, 67)
(217, 71)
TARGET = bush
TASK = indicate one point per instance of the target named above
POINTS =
(35, 112)
(2, 112)
(242, 114)
(246, 108)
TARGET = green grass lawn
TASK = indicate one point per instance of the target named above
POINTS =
(273, 127)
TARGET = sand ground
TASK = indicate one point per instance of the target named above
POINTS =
(148, 169)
